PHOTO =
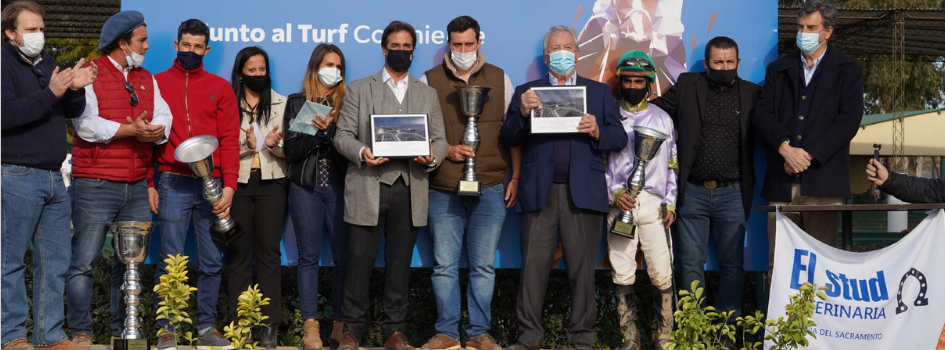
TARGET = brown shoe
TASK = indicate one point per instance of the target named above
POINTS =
(337, 334)
(348, 342)
(440, 342)
(19, 344)
(312, 339)
(82, 339)
(482, 342)
(398, 341)
(65, 345)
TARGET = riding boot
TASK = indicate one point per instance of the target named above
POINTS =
(627, 317)
(664, 319)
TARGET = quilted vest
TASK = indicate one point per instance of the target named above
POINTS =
(125, 159)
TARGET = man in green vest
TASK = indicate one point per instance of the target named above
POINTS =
(473, 220)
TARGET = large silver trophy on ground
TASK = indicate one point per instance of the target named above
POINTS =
(131, 240)
(471, 99)
(646, 142)
(197, 152)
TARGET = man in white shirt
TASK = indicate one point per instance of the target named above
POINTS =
(124, 118)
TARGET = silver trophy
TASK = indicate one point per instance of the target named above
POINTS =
(471, 99)
(131, 240)
(197, 152)
(646, 142)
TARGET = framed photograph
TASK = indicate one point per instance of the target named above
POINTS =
(400, 135)
(562, 108)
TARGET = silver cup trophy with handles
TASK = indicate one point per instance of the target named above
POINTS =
(131, 240)
(646, 142)
(471, 100)
(197, 152)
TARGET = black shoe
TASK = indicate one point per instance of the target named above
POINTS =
(269, 336)
(519, 346)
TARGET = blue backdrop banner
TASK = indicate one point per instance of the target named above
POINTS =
(673, 32)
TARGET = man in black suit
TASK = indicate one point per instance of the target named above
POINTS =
(810, 108)
(712, 113)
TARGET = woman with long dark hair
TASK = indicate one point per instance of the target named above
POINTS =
(316, 188)
(260, 199)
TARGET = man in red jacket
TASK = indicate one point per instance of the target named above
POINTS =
(124, 118)
(203, 104)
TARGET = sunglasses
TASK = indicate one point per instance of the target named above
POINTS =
(134, 96)
(42, 78)
(636, 62)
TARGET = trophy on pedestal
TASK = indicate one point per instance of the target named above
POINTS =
(471, 99)
(197, 152)
(131, 240)
(646, 142)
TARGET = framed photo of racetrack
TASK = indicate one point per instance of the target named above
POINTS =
(561, 110)
(400, 135)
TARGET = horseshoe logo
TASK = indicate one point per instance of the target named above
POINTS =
(920, 300)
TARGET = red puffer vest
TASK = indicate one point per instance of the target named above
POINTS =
(125, 159)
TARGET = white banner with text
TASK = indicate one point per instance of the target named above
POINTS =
(892, 298)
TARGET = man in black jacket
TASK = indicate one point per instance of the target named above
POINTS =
(907, 188)
(810, 108)
(712, 113)
(37, 97)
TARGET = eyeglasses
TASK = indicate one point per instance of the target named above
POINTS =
(193, 25)
(42, 78)
(636, 62)
(134, 96)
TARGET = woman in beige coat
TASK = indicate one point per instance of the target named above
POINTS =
(260, 200)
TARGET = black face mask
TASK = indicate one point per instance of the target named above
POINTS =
(399, 60)
(189, 60)
(634, 96)
(256, 83)
(722, 77)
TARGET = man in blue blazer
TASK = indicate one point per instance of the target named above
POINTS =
(562, 188)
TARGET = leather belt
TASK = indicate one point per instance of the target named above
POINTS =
(710, 184)
(179, 174)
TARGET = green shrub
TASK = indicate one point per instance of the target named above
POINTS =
(421, 314)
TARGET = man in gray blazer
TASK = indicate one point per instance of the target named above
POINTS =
(382, 194)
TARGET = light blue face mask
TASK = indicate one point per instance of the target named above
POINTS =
(561, 62)
(809, 42)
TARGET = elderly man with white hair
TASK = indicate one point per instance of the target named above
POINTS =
(562, 189)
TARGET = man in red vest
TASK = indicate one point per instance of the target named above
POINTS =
(124, 118)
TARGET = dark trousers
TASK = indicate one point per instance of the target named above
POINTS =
(580, 237)
(394, 221)
(316, 211)
(259, 206)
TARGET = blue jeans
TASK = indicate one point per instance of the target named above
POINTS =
(96, 203)
(315, 211)
(35, 208)
(477, 222)
(181, 204)
(717, 213)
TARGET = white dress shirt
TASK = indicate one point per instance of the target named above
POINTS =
(809, 72)
(93, 128)
(569, 82)
(400, 89)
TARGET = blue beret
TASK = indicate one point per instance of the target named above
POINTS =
(120, 24)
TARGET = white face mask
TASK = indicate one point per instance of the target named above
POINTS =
(463, 60)
(329, 76)
(135, 60)
(32, 44)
